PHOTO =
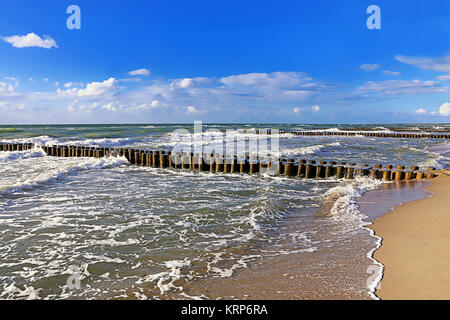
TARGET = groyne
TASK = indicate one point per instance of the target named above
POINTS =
(243, 164)
(351, 133)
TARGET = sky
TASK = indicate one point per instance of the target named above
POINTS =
(224, 62)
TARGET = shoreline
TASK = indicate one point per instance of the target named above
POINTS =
(415, 247)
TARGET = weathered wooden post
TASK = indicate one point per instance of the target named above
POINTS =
(330, 169)
(155, 158)
(309, 172)
(320, 169)
(219, 163)
(399, 173)
(387, 173)
(340, 170)
(349, 171)
(253, 166)
(409, 175)
(163, 160)
(289, 168)
(243, 166)
(301, 168)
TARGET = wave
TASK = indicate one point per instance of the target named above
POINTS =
(18, 155)
(307, 150)
(440, 154)
(101, 142)
(346, 209)
(61, 169)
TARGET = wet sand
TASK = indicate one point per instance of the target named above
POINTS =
(416, 247)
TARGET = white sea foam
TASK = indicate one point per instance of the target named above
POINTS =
(18, 155)
(54, 170)
(346, 208)
(165, 280)
(91, 142)
(306, 150)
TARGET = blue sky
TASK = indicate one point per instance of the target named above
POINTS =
(229, 61)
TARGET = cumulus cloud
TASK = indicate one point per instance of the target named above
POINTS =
(9, 86)
(98, 88)
(256, 95)
(369, 67)
(31, 40)
(444, 78)
(444, 110)
(92, 89)
(112, 106)
(436, 64)
(192, 110)
(420, 111)
(185, 83)
(313, 108)
(139, 72)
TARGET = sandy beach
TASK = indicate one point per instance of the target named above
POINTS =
(416, 247)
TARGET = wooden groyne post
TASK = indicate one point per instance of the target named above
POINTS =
(243, 164)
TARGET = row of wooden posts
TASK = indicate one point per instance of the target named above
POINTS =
(353, 133)
(218, 163)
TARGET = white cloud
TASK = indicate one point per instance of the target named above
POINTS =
(31, 40)
(297, 110)
(285, 80)
(98, 88)
(7, 106)
(155, 104)
(315, 108)
(185, 83)
(445, 77)
(68, 84)
(190, 82)
(398, 87)
(92, 89)
(437, 64)
(10, 86)
(140, 72)
(369, 66)
(130, 80)
(192, 110)
(444, 110)
(392, 73)
(112, 106)
(420, 111)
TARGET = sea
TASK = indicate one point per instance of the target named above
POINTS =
(100, 228)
